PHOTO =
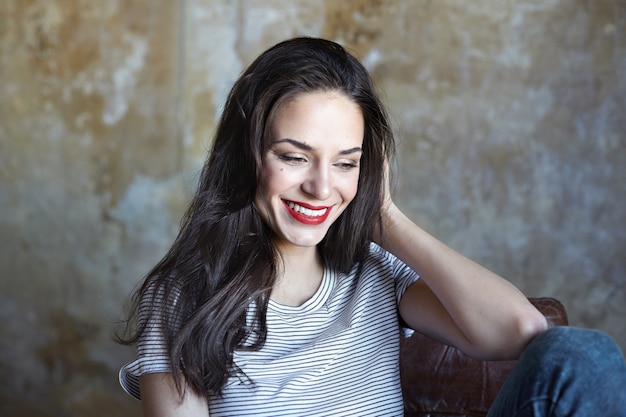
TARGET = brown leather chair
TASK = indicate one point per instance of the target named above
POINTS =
(441, 381)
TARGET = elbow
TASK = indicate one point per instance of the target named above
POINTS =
(530, 323)
(521, 328)
(524, 326)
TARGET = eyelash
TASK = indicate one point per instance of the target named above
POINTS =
(292, 159)
(345, 166)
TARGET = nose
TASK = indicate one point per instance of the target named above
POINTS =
(318, 182)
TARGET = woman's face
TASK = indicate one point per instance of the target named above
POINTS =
(311, 168)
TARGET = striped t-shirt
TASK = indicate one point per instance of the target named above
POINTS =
(335, 355)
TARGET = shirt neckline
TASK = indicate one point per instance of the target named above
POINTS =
(312, 304)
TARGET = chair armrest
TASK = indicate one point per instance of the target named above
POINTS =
(440, 380)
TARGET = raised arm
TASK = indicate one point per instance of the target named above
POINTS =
(457, 301)
(159, 398)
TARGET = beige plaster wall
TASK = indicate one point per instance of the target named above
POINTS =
(511, 119)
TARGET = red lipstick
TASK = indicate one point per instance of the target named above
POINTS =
(306, 213)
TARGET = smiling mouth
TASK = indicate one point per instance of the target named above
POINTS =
(307, 215)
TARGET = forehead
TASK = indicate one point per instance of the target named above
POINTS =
(318, 117)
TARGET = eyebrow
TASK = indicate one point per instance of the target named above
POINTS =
(307, 147)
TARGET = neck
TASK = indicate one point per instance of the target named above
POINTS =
(299, 277)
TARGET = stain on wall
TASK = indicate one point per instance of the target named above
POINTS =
(511, 123)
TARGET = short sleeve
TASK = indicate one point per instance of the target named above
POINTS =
(403, 276)
(152, 355)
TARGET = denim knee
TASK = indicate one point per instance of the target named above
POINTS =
(574, 346)
(566, 371)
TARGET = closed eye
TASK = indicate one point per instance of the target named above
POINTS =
(292, 159)
(346, 166)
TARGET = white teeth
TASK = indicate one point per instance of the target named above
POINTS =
(306, 211)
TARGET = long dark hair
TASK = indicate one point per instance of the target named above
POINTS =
(223, 259)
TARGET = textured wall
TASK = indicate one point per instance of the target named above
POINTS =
(511, 118)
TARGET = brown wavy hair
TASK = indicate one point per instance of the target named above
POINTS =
(223, 259)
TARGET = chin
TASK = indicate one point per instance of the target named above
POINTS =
(302, 241)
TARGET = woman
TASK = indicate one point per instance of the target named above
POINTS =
(273, 300)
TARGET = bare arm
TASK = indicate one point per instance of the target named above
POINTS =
(458, 301)
(159, 398)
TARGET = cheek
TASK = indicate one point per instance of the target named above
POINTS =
(350, 188)
(271, 182)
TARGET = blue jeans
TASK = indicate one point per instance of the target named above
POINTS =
(565, 371)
